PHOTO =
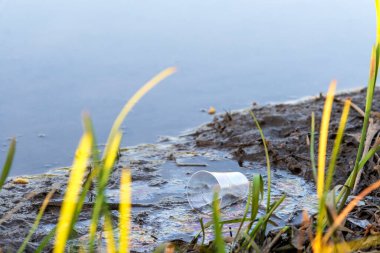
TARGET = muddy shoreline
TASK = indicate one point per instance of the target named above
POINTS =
(230, 142)
(287, 129)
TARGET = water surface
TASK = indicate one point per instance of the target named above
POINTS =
(59, 58)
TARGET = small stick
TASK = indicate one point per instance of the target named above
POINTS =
(354, 106)
(191, 164)
(275, 239)
(18, 206)
(112, 206)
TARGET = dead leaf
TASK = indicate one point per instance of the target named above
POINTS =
(20, 180)
(211, 110)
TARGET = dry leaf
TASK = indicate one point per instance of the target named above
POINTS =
(20, 180)
(211, 110)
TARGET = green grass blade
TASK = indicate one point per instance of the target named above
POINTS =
(369, 99)
(365, 159)
(266, 157)
(255, 247)
(368, 156)
(256, 196)
(88, 127)
(312, 145)
(269, 175)
(109, 161)
(261, 223)
(45, 241)
(248, 204)
(222, 222)
(203, 231)
(82, 197)
(219, 242)
(344, 213)
(8, 162)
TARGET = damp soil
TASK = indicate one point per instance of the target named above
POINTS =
(230, 142)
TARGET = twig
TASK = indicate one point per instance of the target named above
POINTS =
(191, 164)
(112, 206)
(275, 239)
(353, 105)
(9, 214)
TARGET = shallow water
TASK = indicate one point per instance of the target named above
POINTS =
(62, 57)
(161, 211)
(175, 219)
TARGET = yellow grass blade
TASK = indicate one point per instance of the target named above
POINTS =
(342, 216)
(108, 233)
(377, 4)
(125, 210)
(373, 64)
(323, 136)
(136, 97)
(337, 143)
(323, 139)
(72, 192)
(354, 245)
(111, 155)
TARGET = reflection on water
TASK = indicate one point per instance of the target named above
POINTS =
(59, 58)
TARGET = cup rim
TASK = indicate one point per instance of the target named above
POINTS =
(211, 173)
(188, 183)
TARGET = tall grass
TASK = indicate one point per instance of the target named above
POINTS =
(252, 226)
(72, 192)
(321, 241)
(88, 168)
(326, 226)
(252, 235)
(102, 171)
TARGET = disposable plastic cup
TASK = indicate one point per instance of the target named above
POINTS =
(230, 186)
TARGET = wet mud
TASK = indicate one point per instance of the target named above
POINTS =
(287, 131)
(161, 171)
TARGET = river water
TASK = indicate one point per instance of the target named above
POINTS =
(60, 58)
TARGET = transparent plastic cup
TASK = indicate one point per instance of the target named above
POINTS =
(231, 187)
